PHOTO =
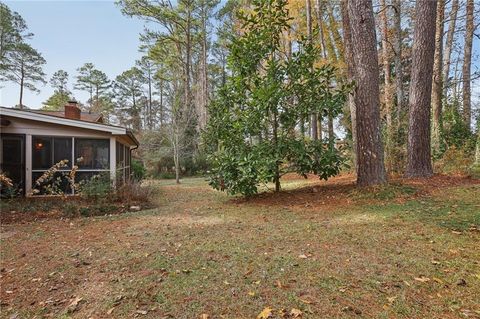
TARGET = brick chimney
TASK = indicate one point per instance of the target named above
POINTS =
(72, 111)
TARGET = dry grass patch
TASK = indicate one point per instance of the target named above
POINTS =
(395, 252)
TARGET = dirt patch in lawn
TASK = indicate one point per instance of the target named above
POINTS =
(341, 191)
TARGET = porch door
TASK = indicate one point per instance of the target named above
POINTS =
(13, 159)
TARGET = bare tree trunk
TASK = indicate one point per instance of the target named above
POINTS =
(161, 104)
(22, 77)
(419, 162)
(477, 148)
(176, 158)
(397, 22)
(467, 63)
(387, 84)
(337, 38)
(150, 121)
(318, 9)
(437, 81)
(313, 116)
(371, 169)
(204, 74)
(347, 34)
(449, 46)
(456, 83)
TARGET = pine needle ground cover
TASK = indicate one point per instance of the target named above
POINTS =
(315, 250)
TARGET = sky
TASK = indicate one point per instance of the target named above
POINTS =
(71, 33)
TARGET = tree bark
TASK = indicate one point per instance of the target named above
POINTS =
(397, 45)
(467, 63)
(387, 84)
(418, 150)
(22, 78)
(318, 15)
(337, 38)
(437, 81)
(347, 34)
(449, 46)
(477, 148)
(204, 74)
(313, 116)
(371, 169)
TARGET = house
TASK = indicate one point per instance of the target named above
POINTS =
(32, 141)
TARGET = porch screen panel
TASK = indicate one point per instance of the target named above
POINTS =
(46, 152)
(42, 153)
(92, 154)
(62, 150)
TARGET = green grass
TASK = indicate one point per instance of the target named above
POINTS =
(202, 252)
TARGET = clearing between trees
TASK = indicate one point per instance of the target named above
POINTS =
(316, 250)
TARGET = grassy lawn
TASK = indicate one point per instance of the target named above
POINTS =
(324, 249)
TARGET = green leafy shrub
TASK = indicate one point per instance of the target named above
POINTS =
(138, 170)
(96, 187)
(70, 209)
(455, 161)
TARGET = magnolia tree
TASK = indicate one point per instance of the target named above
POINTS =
(256, 124)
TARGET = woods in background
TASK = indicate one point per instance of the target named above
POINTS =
(409, 110)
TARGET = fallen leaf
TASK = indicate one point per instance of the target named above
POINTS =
(303, 256)
(306, 301)
(391, 299)
(422, 279)
(204, 316)
(72, 307)
(437, 280)
(296, 313)
(109, 312)
(251, 293)
(141, 312)
(266, 313)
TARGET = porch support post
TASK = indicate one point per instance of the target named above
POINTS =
(28, 164)
(113, 160)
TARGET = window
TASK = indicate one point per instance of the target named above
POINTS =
(92, 153)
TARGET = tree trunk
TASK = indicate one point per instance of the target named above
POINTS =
(387, 84)
(313, 116)
(467, 63)
(149, 111)
(371, 169)
(176, 159)
(449, 46)
(337, 38)
(161, 104)
(397, 45)
(437, 81)
(22, 78)
(331, 132)
(350, 75)
(477, 148)
(318, 10)
(188, 50)
(204, 74)
(419, 162)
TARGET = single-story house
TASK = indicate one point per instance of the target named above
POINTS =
(32, 141)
